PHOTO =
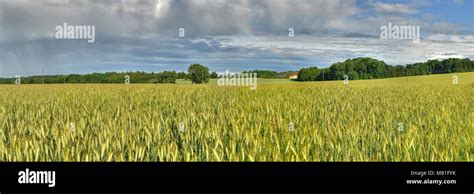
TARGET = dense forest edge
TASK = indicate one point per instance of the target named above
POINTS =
(353, 69)
(368, 68)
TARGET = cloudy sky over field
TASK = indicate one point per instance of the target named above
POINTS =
(226, 35)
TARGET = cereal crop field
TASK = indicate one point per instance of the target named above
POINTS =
(423, 118)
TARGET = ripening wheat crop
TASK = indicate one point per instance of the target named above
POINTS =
(425, 118)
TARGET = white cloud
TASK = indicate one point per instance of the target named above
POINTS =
(161, 8)
(445, 55)
(394, 8)
(452, 38)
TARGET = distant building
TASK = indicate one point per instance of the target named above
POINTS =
(293, 76)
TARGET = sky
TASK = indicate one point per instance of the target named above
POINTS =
(234, 35)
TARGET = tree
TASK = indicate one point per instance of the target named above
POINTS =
(214, 75)
(368, 68)
(182, 75)
(198, 74)
(264, 73)
(308, 74)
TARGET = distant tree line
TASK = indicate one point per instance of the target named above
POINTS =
(358, 68)
(368, 68)
(109, 77)
(196, 73)
(263, 73)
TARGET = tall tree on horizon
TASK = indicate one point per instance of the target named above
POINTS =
(198, 74)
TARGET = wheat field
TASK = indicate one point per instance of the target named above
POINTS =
(425, 118)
